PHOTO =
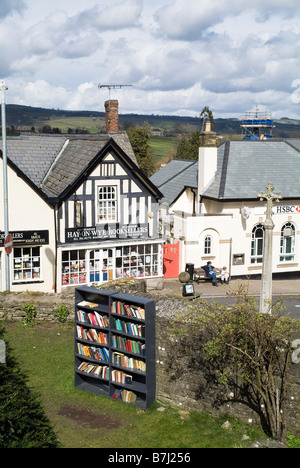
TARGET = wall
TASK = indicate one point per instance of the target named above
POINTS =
(28, 212)
(179, 384)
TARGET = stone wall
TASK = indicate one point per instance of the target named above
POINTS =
(183, 380)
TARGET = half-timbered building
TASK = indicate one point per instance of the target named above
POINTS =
(80, 212)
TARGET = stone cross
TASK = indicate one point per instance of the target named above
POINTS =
(267, 275)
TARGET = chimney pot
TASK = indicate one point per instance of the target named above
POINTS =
(208, 127)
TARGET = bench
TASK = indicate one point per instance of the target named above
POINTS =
(200, 275)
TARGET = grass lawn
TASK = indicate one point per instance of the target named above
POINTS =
(84, 420)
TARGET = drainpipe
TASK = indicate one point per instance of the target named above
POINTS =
(3, 88)
(194, 202)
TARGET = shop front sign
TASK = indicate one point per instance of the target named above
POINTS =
(279, 209)
(107, 232)
(26, 238)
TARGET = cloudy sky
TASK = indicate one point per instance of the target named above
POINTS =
(178, 55)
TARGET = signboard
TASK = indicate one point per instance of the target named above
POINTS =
(279, 209)
(24, 238)
(107, 232)
(8, 244)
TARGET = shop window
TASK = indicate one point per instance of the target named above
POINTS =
(73, 267)
(287, 243)
(208, 245)
(107, 204)
(99, 266)
(257, 244)
(26, 264)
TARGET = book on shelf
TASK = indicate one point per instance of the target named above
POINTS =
(98, 354)
(132, 346)
(92, 305)
(129, 362)
(93, 318)
(91, 335)
(120, 377)
(120, 308)
(100, 371)
(125, 395)
(129, 328)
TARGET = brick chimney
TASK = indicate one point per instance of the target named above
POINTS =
(112, 116)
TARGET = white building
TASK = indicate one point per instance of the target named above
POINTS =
(80, 212)
(212, 207)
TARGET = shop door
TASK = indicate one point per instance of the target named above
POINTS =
(108, 268)
(171, 260)
(102, 265)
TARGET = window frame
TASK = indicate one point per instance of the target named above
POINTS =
(286, 257)
(208, 245)
(257, 258)
(30, 259)
(110, 213)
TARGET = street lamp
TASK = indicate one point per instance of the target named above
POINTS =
(267, 275)
(3, 89)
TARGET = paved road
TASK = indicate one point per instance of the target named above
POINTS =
(291, 303)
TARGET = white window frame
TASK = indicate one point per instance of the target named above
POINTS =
(208, 245)
(286, 257)
(255, 258)
(28, 265)
(109, 212)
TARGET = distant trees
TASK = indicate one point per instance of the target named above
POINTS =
(188, 146)
(140, 141)
(207, 115)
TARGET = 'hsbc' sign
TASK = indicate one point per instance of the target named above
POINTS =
(287, 209)
(279, 209)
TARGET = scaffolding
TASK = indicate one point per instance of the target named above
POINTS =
(257, 125)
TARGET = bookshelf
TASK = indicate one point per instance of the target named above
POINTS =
(115, 345)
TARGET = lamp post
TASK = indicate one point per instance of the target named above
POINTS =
(3, 89)
(267, 275)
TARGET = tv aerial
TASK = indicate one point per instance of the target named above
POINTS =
(110, 87)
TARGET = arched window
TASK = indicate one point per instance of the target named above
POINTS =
(207, 245)
(257, 244)
(287, 243)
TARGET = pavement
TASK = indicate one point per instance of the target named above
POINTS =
(282, 286)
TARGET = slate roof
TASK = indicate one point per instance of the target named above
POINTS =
(244, 169)
(175, 177)
(52, 163)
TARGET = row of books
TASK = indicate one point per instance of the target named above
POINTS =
(93, 318)
(132, 346)
(130, 310)
(125, 395)
(129, 328)
(100, 371)
(91, 335)
(99, 354)
(120, 377)
(128, 362)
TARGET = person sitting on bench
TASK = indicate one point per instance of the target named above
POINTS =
(209, 271)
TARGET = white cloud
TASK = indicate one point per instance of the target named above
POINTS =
(179, 55)
(9, 6)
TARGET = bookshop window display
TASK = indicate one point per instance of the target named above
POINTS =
(107, 264)
(26, 264)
